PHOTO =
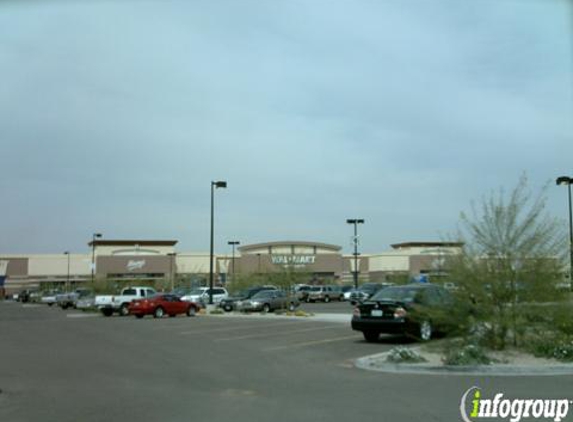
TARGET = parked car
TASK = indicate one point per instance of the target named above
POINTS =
(200, 295)
(347, 292)
(417, 310)
(229, 303)
(161, 305)
(49, 297)
(365, 291)
(67, 300)
(324, 294)
(301, 292)
(267, 301)
(85, 302)
(25, 296)
(108, 304)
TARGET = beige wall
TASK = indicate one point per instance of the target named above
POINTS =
(389, 263)
(192, 264)
(53, 265)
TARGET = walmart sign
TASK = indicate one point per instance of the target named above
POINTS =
(296, 260)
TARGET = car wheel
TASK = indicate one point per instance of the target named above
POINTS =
(159, 312)
(227, 308)
(107, 312)
(124, 310)
(326, 299)
(191, 311)
(266, 308)
(139, 316)
(425, 330)
(291, 307)
(371, 336)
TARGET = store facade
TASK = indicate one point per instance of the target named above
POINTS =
(130, 261)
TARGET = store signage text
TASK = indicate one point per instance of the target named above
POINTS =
(133, 264)
(296, 260)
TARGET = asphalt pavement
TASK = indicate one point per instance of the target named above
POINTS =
(69, 366)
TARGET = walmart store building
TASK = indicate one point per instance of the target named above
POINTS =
(130, 261)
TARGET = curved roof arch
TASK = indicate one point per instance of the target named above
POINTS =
(288, 243)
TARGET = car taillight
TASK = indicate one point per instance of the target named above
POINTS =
(400, 312)
(356, 312)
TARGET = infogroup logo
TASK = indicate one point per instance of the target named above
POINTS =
(474, 406)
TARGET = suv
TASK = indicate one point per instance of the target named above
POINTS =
(229, 303)
(324, 294)
(201, 295)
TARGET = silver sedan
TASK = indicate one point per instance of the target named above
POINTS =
(267, 301)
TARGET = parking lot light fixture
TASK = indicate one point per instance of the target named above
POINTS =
(94, 236)
(566, 180)
(172, 256)
(233, 244)
(355, 222)
(67, 253)
(214, 185)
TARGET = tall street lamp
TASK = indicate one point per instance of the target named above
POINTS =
(67, 253)
(219, 184)
(171, 268)
(565, 180)
(355, 222)
(94, 236)
(233, 243)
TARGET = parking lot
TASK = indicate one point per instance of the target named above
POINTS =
(69, 366)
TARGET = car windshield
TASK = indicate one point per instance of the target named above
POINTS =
(196, 292)
(264, 293)
(315, 289)
(399, 294)
(180, 292)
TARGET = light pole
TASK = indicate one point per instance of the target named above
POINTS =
(219, 184)
(67, 253)
(566, 180)
(94, 236)
(355, 222)
(233, 243)
(171, 267)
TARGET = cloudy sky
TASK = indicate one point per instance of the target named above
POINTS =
(115, 116)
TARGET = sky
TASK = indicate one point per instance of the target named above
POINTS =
(115, 116)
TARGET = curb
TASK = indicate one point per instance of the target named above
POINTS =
(378, 363)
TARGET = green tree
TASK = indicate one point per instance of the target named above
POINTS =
(513, 254)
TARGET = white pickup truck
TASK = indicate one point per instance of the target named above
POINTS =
(109, 304)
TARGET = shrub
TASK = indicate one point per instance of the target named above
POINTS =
(551, 345)
(470, 354)
(404, 355)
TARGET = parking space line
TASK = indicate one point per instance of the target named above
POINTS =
(310, 343)
(260, 335)
(240, 327)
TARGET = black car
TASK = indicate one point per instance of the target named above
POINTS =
(229, 304)
(416, 310)
(24, 296)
